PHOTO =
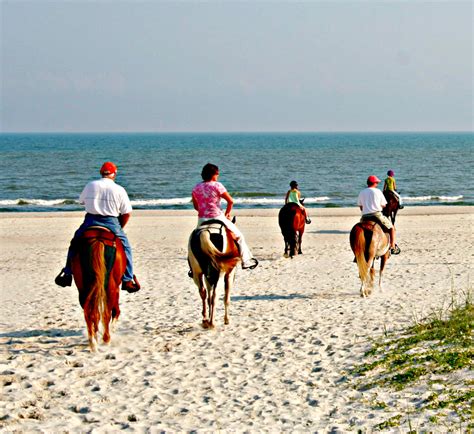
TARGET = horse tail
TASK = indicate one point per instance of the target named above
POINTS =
(95, 306)
(359, 246)
(285, 220)
(221, 261)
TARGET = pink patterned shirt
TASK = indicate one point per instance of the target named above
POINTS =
(208, 197)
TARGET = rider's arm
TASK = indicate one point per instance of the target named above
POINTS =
(287, 195)
(195, 203)
(230, 202)
(299, 197)
(123, 219)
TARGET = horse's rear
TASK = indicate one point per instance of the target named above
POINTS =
(368, 242)
(98, 269)
(213, 254)
(392, 207)
(292, 221)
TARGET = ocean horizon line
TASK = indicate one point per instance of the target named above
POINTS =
(237, 132)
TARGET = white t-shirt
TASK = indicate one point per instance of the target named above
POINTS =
(372, 200)
(105, 197)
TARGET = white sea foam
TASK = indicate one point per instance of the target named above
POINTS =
(162, 202)
(275, 201)
(183, 201)
(431, 198)
(36, 202)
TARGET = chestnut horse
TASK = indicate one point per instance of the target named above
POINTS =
(369, 242)
(213, 254)
(292, 220)
(98, 268)
(392, 207)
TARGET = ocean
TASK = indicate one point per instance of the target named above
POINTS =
(47, 172)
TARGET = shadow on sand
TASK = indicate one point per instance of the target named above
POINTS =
(269, 297)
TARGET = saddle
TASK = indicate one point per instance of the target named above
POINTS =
(217, 231)
(372, 221)
(103, 234)
(389, 195)
(110, 241)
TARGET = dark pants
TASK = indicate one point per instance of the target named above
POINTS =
(111, 223)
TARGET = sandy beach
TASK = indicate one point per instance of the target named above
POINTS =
(297, 327)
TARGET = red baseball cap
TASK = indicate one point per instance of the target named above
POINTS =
(372, 179)
(107, 168)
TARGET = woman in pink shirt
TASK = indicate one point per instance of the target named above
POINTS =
(207, 202)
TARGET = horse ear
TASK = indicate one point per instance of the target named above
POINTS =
(234, 219)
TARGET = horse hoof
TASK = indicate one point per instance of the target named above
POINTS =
(286, 255)
(205, 324)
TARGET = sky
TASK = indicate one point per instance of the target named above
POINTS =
(251, 66)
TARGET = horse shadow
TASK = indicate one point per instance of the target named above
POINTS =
(269, 297)
(51, 333)
(34, 341)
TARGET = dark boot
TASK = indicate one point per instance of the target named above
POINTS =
(131, 285)
(63, 279)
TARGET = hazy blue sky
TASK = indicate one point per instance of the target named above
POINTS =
(236, 66)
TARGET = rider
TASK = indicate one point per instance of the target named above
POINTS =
(391, 185)
(371, 201)
(206, 198)
(107, 205)
(294, 196)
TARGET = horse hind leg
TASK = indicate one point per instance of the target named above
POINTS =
(211, 297)
(228, 281)
(383, 261)
(300, 239)
(198, 280)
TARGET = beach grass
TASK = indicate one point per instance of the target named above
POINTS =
(431, 355)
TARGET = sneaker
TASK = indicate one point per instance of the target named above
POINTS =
(190, 274)
(401, 206)
(131, 285)
(395, 250)
(308, 221)
(63, 279)
(251, 264)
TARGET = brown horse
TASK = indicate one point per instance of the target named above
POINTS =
(392, 207)
(368, 242)
(98, 269)
(292, 220)
(212, 254)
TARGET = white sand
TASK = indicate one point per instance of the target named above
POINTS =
(297, 326)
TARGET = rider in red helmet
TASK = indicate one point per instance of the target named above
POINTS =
(107, 205)
(371, 201)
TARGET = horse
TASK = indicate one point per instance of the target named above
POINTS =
(368, 242)
(213, 254)
(292, 222)
(98, 268)
(392, 207)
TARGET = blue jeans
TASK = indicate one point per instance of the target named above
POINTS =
(111, 223)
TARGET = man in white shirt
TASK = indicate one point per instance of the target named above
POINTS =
(107, 204)
(371, 201)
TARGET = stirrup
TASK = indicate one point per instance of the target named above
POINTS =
(395, 250)
(63, 279)
(250, 267)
